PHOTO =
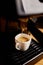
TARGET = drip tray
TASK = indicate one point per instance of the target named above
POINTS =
(16, 57)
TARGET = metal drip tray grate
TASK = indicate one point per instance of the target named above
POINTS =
(22, 57)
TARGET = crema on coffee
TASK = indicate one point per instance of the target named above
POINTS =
(23, 39)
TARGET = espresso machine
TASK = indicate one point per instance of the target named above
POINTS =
(19, 9)
(14, 9)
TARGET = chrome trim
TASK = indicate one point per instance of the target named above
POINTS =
(33, 58)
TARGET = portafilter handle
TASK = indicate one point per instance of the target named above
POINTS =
(35, 32)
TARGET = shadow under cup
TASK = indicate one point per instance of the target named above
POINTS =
(22, 41)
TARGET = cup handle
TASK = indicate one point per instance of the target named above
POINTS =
(18, 46)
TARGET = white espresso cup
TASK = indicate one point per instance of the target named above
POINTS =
(22, 41)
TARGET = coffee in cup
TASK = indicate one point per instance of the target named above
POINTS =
(22, 41)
